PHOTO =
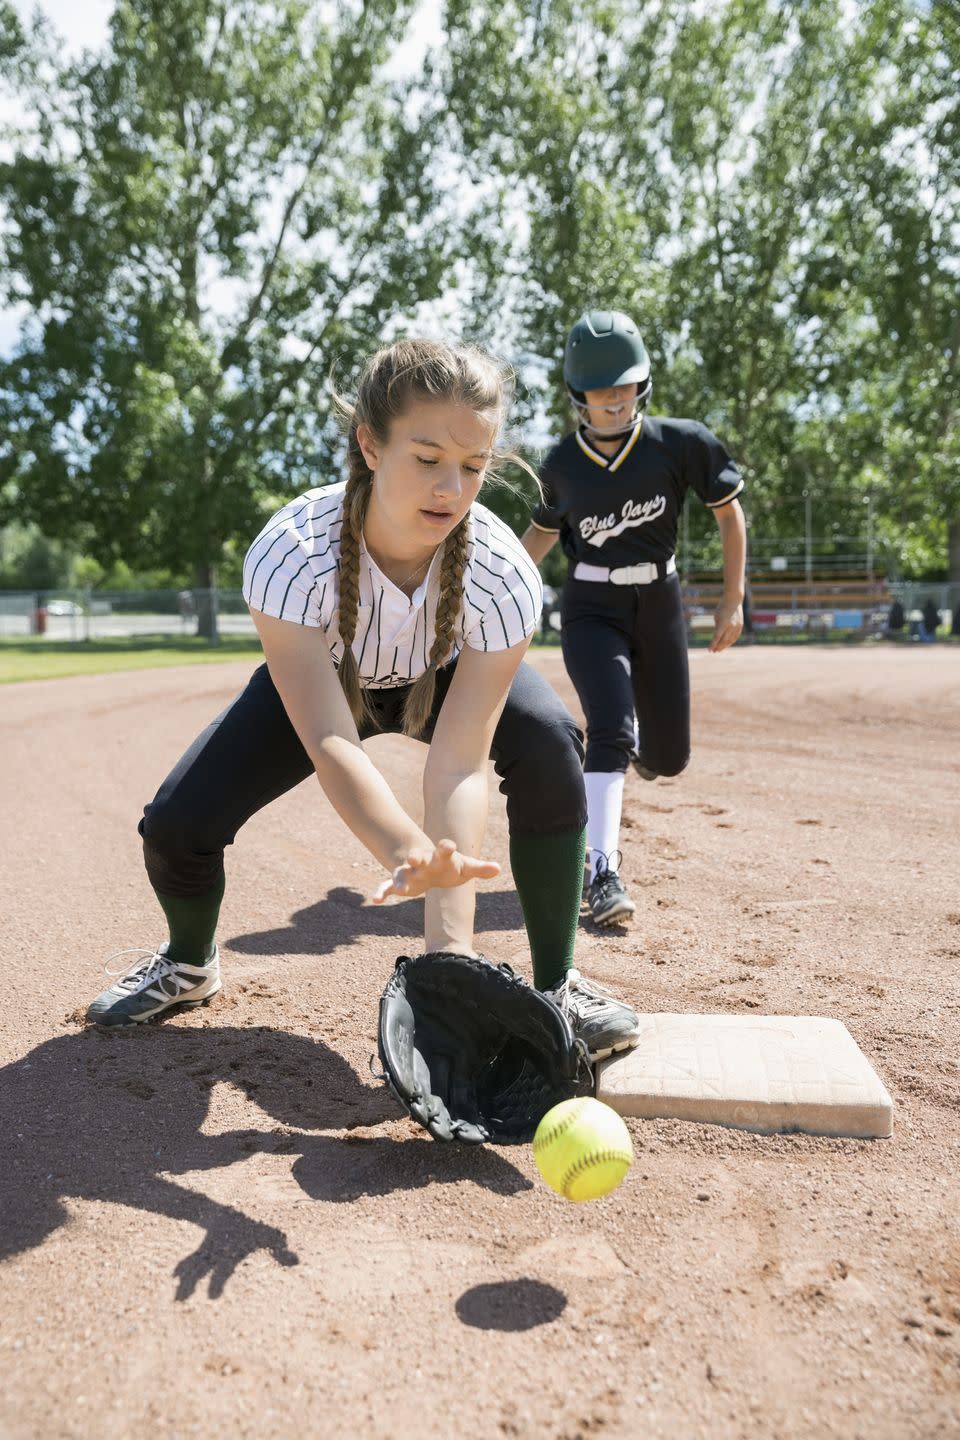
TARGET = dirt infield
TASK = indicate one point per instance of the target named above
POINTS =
(221, 1226)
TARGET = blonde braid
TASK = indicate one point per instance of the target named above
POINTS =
(356, 497)
(419, 702)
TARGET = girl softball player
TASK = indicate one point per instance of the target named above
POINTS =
(612, 493)
(392, 601)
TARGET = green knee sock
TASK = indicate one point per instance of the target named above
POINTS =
(193, 924)
(548, 873)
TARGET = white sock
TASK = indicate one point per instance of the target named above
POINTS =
(604, 808)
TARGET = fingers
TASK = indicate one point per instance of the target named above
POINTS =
(445, 869)
(479, 869)
(399, 881)
(726, 634)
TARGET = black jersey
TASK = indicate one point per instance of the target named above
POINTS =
(623, 509)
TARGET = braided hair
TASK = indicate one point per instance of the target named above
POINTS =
(396, 377)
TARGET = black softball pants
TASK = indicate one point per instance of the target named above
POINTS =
(251, 755)
(625, 649)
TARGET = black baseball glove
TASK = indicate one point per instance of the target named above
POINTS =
(473, 1052)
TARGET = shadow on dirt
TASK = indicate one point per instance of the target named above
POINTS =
(511, 1305)
(333, 1169)
(343, 916)
(112, 1116)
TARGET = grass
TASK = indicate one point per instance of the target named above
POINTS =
(53, 660)
(39, 659)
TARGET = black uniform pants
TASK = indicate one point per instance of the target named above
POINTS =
(625, 649)
(251, 755)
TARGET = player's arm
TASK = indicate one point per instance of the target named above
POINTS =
(728, 616)
(455, 782)
(303, 671)
(538, 543)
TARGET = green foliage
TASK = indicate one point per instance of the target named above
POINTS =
(201, 219)
(30, 561)
(774, 192)
(230, 203)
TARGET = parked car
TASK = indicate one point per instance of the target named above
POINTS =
(63, 607)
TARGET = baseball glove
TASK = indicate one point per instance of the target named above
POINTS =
(473, 1052)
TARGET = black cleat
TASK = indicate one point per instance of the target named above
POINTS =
(152, 985)
(609, 902)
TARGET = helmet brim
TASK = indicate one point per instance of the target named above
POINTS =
(638, 373)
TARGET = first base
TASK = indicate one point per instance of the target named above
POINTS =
(766, 1073)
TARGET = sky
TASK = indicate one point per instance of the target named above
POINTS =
(83, 23)
(80, 22)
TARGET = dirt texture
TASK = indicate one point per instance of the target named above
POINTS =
(222, 1225)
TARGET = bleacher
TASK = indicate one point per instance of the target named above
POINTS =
(799, 605)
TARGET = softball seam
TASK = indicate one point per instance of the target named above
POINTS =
(557, 1129)
(596, 1157)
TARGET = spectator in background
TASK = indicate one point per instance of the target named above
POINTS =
(896, 619)
(931, 619)
(188, 606)
(955, 627)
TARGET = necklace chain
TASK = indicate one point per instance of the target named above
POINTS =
(423, 564)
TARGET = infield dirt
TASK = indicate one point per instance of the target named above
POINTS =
(222, 1225)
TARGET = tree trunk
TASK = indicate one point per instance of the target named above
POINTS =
(205, 596)
(953, 551)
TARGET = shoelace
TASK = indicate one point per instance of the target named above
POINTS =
(607, 879)
(151, 965)
(583, 996)
(607, 884)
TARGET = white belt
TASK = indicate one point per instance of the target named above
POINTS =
(626, 575)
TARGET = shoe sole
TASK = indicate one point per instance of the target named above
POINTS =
(643, 772)
(596, 1055)
(155, 1014)
(615, 917)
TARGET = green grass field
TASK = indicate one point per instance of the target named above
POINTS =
(52, 660)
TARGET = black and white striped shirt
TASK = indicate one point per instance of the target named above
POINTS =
(292, 573)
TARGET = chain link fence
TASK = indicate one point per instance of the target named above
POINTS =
(126, 614)
(75, 615)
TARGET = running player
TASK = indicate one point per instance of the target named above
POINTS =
(392, 601)
(612, 493)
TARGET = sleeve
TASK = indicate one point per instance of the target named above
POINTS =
(710, 470)
(545, 515)
(503, 599)
(278, 576)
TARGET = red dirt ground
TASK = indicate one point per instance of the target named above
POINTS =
(222, 1226)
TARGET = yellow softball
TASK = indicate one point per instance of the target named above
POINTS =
(582, 1149)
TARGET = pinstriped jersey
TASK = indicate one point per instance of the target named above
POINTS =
(292, 572)
(623, 509)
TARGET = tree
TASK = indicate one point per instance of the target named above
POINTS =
(204, 220)
(773, 191)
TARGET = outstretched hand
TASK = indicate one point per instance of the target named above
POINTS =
(440, 868)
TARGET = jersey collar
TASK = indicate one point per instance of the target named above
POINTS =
(386, 583)
(610, 462)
